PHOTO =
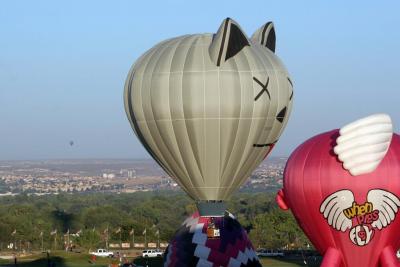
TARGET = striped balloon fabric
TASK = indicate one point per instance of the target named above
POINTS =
(191, 245)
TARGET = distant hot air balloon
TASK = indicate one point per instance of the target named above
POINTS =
(71, 143)
(343, 187)
(209, 108)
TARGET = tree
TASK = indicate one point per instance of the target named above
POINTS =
(89, 239)
(277, 229)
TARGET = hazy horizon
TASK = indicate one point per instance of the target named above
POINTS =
(63, 67)
(106, 159)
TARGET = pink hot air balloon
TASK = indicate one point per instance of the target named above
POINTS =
(343, 187)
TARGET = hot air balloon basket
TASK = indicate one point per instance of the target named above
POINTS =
(213, 232)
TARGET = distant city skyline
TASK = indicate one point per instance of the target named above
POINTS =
(63, 67)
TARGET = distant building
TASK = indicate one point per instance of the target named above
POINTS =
(131, 174)
(108, 175)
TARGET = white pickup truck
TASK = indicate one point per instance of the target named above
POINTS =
(102, 253)
(152, 253)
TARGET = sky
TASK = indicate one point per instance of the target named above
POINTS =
(63, 65)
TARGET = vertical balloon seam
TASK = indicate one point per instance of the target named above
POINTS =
(233, 183)
(141, 137)
(236, 56)
(219, 99)
(243, 177)
(288, 172)
(134, 121)
(239, 121)
(195, 184)
(295, 173)
(225, 41)
(196, 138)
(172, 174)
(305, 162)
(174, 139)
(161, 142)
(317, 144)
(188, 184)
(378, 237)
(204, 52)
(173, 127)
(319, 181)
(179, 162)
(185, 180)
(251, 154)
(135, 124)
(384, 180)
(320, 189)
(242, 173)
(333, 240)
(395, 158)
(229, 155)
(192, 142)
(165, 143)
(193, 136)
(221, 189)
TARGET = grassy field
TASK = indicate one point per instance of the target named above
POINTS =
(62, 259)
(289, 263)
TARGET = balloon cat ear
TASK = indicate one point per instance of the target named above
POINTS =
(363, 144)
(227, 42)
(265, 36)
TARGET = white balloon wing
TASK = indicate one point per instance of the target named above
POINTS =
(363, 144)
(333, 209)
(386, 203)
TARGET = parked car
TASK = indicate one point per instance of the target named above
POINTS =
(102, 253)
(269, 253)
(150, 253)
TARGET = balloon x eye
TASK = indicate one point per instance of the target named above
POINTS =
(264, 88)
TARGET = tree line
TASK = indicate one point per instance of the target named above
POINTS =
(87, 218)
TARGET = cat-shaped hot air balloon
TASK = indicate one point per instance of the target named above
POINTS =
(343, 187)
(209, 108)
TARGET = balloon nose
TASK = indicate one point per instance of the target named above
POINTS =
(280, 200)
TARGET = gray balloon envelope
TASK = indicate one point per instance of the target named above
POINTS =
(210, 107)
